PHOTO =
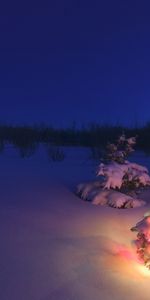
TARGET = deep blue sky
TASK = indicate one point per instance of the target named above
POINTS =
(63, 61)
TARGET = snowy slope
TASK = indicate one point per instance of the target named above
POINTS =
(56, 247)
(68, 249)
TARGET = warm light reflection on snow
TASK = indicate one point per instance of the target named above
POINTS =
(130, 261)
(143, 270)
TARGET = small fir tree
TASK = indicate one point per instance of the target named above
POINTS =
(143, 240)
(121, 179)
(118, 172)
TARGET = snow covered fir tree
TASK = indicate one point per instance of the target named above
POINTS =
(120, 180)
(143, 239)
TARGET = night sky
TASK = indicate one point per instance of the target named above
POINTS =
(63, 61)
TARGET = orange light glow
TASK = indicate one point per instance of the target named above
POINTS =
(143, 270)
(125, 261)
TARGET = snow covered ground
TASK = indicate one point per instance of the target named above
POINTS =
(55, 246)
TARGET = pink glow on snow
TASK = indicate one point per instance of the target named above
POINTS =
(130, 262)
(127, 254)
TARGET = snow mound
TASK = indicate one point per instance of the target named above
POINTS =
(85, 189)
(93, 192)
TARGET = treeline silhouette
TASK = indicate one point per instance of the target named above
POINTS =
(27, 138)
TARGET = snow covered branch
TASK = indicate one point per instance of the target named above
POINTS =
(119, 178)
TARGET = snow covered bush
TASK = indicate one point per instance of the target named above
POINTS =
(116, 199)
(94, 192)
(84, 190)
(119, 178)
(127, 176)
(143, 240)
(118, 172)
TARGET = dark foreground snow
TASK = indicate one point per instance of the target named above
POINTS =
(56, 247)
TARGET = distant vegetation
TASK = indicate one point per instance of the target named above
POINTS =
(94, 136)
